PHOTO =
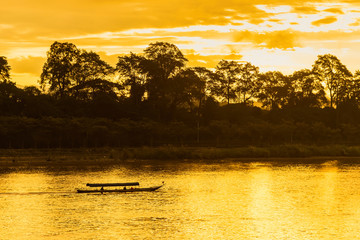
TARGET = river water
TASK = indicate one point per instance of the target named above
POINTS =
(226, 200)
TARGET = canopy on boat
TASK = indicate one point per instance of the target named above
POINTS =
(112, 184)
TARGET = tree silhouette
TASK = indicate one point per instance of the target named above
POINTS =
(168, 58)
(59, 70)
(154, 99)
(4, 69)
(307, 89)
(248, 83)
(205, 77)
(133, 75)
(89, 73)
(186, 90)
(330, 70)
(164, 60)
(224, 85)
(275, 89)
(10, 98)
(355, 88)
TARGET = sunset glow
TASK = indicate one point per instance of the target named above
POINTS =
(273, 35)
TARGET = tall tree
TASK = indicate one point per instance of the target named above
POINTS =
(167, 56)
(59, 70)
(186, 89)
(205, 77)
(275, 89)
(355, 94)
(11, 98)
(133, 75)
(334, 74)
(307, 89)
(90, 70)
(164, 61)
(224, 85)
(200, 91)
(4, 69)
(248, 83)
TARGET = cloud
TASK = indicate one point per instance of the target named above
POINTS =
(30, 65)
(79, 17)
(335, 35)
(115, 27)
(285, 39)
(305, 9)
(58, 19)
(327, 20)
(209, 61)
(355, 24)
(334, 10)
(41, 20)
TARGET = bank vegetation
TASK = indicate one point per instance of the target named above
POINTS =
(151, 100)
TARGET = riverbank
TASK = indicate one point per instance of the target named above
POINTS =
(96, 156)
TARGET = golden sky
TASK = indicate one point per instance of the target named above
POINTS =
(282, 35)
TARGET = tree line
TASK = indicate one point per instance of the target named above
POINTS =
(159, 100)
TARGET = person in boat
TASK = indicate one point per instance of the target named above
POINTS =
(102, 189)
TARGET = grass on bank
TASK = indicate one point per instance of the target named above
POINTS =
(168, 153)
(282, 151)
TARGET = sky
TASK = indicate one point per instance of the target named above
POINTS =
(281, 35)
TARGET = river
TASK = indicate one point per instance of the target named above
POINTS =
(223, 200)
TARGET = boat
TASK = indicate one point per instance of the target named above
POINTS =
(123, 188)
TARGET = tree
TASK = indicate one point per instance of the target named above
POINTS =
(307, 89)
(90, 69)
(334, 74)
(133, 75)
(91, 88)
(355, 88)
(186, 89)
(167, 56)
(205, 76)
(37, 104)
(11, 98)
(59, 70)
(248, 83)
(224, 85)
(275, 89)
(163, 61)
(200, 93)
(4, 69)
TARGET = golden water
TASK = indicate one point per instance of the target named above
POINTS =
(199, 201)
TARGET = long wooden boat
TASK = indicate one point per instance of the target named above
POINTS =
(119, 190)
(112, 184)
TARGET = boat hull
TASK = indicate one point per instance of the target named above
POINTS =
(149, 189)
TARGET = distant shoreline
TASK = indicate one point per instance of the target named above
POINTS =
(111, 156)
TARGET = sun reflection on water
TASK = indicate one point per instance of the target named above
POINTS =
(199, 201)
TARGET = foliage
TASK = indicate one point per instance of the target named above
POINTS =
(224, 83)
(4, 69)
(249, 82)
(163, 61)
(275, 89)
(91, 75)
(307, 89)
(153, 99)
(133, 76)
(60, 68)
(330, 70)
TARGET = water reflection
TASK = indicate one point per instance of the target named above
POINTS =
(199, 201)
(261, 207)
